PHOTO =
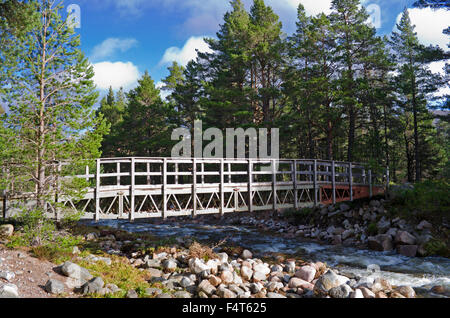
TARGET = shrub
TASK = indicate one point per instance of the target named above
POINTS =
(36, 227)
(372, 229)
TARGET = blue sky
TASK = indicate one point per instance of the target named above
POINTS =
(123, 38)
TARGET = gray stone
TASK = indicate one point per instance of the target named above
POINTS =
(206, 287)
(405, 238)
(9, 291)
(112, 288)
(182, 294)
(164, 296)
(153, 291)
(424, 225)
(223, 292)
(357, 294)
(155, 272)
(375, 204)
(132, 294)
(72, 270)
(7, 275)
(54, 286)
(169, 265)
(382, 242)
(342, 291)
(344, 207)
(197, 266)
(246, 273)
(152, 263)
(186, 282)
(328, 281)
(94, 286)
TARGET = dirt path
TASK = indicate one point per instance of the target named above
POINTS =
(30, 274)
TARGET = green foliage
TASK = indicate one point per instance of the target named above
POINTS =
(37, 229)
(298, 216)
(436, 247)
(430, 198)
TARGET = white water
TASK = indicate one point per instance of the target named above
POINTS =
(398, 270)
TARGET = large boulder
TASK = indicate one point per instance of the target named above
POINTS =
(405, 238)
(382, 242)
(73, 270)
(407, 250)
(54, 286)
(424, 225)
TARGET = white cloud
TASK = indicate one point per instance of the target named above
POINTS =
(430, 25)
(312, 7)
(187, 53)
(439, 68)
(110, 46)
(115, 74)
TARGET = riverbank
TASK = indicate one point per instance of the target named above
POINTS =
(162, 259)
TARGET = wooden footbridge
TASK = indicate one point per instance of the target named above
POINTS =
(134, 188)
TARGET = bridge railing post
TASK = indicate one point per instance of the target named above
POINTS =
(350, 180)
(194, 188)
(222, 187)
(97, 190)
(274, 184)
(316, 199)
(294, 182)
(132, 189)
(164, 189)
(370, 184)
(250, 185)
(333, 177)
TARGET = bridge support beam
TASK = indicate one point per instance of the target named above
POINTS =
(132, 190)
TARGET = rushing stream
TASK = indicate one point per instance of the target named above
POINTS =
(398, 270)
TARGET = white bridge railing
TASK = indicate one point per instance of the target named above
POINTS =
(131, 188)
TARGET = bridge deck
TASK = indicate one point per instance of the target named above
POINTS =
(131, 188)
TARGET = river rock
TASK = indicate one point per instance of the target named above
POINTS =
(307, 273)
(344, 207)
(424, 225)
(54, 286)
(223, 292)
(227, 277)
(367, 293)
(206, 287)
(407, 250)
(328, 281)
(300, 283)
(246, 273)
(342, 291)
(9, 291)
(381, 284)
(169, 265)
(290, 267)
(133, 294)
(182, 294)
(382, 242)
(246, 254)
(197, 266)
(405, 238)
(223, 257)
(6, 230)
(357, 294)
(406, 291)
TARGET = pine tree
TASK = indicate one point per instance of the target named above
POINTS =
(414, 84)
(50, 98)
(146, 126)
